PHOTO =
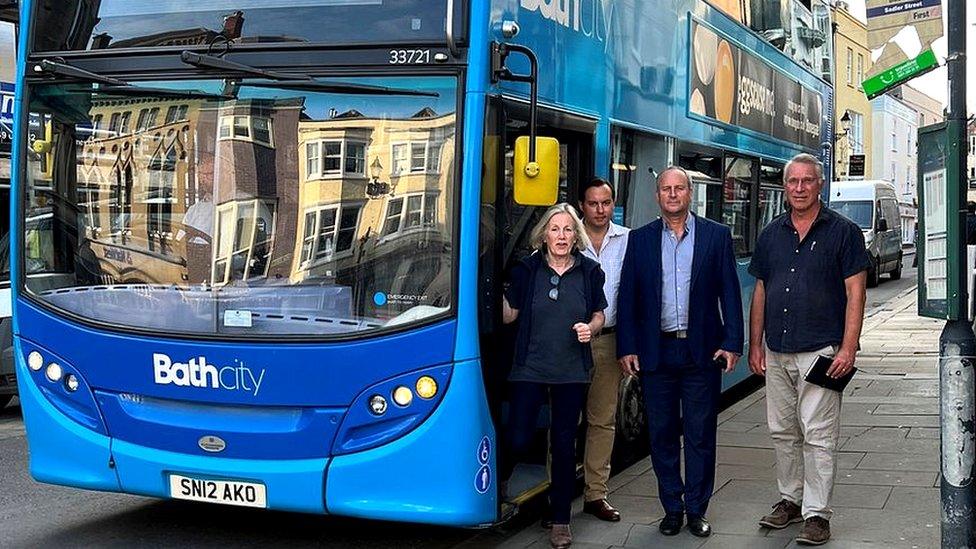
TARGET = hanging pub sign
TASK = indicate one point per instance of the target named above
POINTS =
(733, 86)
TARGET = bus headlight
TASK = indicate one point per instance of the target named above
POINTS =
(426, 387)
(71, 382)
(373, 420)
(377, 405)
(64, 386)
(35, 361)
(53, 371)
(403, 396)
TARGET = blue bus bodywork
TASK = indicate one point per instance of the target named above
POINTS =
(294, 416)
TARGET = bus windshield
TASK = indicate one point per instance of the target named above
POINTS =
(88, 24)
(268, 212)
(858, 211)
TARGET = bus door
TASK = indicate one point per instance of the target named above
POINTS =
(504, 239)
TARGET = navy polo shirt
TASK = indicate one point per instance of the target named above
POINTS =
(806, 299)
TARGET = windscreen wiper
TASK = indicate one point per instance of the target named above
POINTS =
(212, 62)
(161, 92)
(115, 86)
(58, 67)
(338, 87)
(291, 81)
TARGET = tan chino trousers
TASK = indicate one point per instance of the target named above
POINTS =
(804, 423)
(601, 416)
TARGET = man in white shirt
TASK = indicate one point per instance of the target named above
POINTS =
(608, 245)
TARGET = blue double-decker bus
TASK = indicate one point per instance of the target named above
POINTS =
(260, 245)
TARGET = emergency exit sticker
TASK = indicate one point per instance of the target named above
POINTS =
(237, 318)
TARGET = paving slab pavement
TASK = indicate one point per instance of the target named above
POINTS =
(887, 491)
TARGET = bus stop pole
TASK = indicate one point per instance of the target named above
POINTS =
(957, 344)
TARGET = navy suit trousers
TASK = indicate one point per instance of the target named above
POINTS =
(681, 398)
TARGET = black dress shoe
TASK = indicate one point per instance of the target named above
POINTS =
(601, 509)
(699, 526)
(671, 524)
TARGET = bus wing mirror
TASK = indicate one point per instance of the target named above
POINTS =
(536, 183)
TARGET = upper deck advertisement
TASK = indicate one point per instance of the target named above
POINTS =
(731, 85)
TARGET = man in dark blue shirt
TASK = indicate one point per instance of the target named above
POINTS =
(810, 264)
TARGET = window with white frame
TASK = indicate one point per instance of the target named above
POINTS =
(255, 129)
(418, 156)
(856, 132)
(312, 159)
(860, 70)
(410, 211)
(434, 157)
(331, 157)
(329, 232)
(850, 67)
(245, 235)
(400, 160)
(355, 157)
(334, 157)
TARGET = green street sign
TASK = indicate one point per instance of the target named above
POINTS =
(899, 74)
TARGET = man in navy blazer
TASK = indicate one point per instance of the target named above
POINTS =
(679, 326)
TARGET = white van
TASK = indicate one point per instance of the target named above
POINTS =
(873, 205)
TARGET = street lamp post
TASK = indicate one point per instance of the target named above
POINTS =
(374, 187)
(844, 137)
(957, 344)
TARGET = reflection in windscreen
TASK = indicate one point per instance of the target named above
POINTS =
(858, 211)
(89, 24)
(280, 212)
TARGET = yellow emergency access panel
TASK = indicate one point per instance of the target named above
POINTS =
(536, 183)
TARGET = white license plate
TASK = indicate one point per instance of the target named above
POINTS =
(247, 494)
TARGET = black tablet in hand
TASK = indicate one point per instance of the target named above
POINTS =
(818, 375)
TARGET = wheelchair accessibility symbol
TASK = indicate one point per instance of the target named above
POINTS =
(484, 451)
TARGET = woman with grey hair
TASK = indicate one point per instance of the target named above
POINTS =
(556, 294)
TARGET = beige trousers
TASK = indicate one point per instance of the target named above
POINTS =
(601, 416)
(804, 423)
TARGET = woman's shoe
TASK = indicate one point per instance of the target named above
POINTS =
(560, 536)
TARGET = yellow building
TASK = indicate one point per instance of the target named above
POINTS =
(852, 63)
(374, 189)
(136, 176)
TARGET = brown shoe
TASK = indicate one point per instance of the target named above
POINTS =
(560, 537)
(816, 531)
(601, 509)
(784, 514)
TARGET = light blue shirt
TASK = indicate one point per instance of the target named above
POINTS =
(676, 258)
(611, 260)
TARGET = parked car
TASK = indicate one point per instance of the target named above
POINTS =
(873, 205)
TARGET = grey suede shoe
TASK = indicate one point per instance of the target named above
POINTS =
(560, 536)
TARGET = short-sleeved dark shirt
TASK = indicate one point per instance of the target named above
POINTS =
(547, 348)
(806, 298)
